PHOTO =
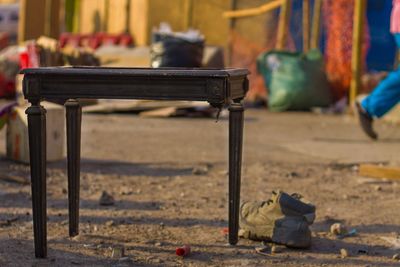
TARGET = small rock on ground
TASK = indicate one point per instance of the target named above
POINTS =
(344, 253)
(201, 170)
(118, 252)
(338, 229)
(106, 199)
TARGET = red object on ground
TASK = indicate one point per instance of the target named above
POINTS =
(225, 231)
(183, 251)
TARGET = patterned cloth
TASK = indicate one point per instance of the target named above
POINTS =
(395, 19)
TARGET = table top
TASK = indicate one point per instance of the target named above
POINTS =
(188, 72)
(216, 86)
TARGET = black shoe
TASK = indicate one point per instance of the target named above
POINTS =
(366, 122)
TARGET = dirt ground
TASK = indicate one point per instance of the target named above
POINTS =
(147, 165)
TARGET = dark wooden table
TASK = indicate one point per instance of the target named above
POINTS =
(68, 84)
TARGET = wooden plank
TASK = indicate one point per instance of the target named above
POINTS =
(306, 25)
(31, 24)
(254, 11)
(117, 16)
(206, 17)
(376, 171)
(172, 12)
(139, 10)
(92, 17)
(8, 1)
(284, 18)
(356, 60)
(159, 113)
(52, 23)
(188, 14)
(316, 24)
(45, 20)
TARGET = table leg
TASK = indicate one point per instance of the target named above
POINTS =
(37, 152)
(74, 117)
(235, 164)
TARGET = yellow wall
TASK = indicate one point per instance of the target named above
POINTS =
(8, 1)
(147, 14)
(37, 19)
(205, 15)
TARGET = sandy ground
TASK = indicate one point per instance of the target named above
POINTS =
(146, 164)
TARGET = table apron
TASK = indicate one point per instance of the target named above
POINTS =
(215, 90)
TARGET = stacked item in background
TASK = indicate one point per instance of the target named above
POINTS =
(95, 40)
(176, 49)
(43, 52)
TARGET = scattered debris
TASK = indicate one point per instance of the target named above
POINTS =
(110, 223)
(118, 252)
(126, 191)
(366, 180)
(341, 231)
(106, 199)
(376, 171)
(338, 229)
(158, 244)
(362, 251)
(183, 251)
(15, 179)
(350, 233)
(77, 238)
(241, 233)
(225, 231)
(125, 260)
(200, 170)
(394, 241)
(263, 250)
(344, 253)
(90, 246)
(275, 249)
(8, 222)
(99, 246)
(378, 188)
(160, 113)
(292, 174)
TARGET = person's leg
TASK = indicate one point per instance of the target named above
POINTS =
(386, 95)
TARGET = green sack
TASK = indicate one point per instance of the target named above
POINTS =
(295, 81)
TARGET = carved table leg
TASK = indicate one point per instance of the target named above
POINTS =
(235, 164)
(74, 117)
(37, 152)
